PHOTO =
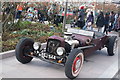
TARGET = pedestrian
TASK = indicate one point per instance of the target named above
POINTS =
(89, 21)
(100, 21)
(56, 19)
(50, 13)
(118, 22)
(88, 13)
(112, 19)
(19, 10)
(115, 25)
(40, 16)
(35, 13)
(81, 17)
(106, 22)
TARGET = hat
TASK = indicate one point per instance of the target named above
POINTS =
(82, 7)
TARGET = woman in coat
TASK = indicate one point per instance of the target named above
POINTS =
(100, 21)
(89, 22)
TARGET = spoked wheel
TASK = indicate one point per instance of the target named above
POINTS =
(74, 63)
(23, 48)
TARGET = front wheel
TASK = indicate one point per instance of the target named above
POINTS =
(74, 63)
(22, 49)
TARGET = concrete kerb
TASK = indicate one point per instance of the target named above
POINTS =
(11, 53)
(7, 54)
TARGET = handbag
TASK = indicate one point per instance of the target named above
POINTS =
(89, 23)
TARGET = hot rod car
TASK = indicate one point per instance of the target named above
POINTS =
(69, 51)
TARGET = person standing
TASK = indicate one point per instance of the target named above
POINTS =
(100, 21)
(35, 13)
(40, 16)
(89, 21)
(115, 25)
(81, 17)
(106, 23)
(19, 10)
(119, 22)
(112, 19)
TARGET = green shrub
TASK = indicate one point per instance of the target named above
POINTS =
(21, 25)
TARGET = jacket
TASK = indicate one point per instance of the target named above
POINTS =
(100, 21)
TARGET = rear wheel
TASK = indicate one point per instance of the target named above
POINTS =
(74, 63)
(23, 48)
(112, 45)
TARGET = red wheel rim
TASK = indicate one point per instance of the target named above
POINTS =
(77, 64)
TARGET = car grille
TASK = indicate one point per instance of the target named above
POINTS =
(52, 46)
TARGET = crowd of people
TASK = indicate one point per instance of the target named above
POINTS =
(107, 20)
(39, 14)
(110, 21)
(83, 19)
(30, 13)
(34, 13)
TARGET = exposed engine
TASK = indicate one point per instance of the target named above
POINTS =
(72, 43)
(69, 39)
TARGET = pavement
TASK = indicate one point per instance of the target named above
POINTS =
(0, 27)
(98, 65)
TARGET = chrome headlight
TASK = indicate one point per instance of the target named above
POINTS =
(36, 45)
(60, 51)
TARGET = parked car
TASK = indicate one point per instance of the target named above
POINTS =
(69, 51)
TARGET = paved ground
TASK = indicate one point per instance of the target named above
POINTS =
(0, 37)
(0, 47)
(99, 65)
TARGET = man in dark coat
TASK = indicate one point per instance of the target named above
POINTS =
(112, 19)
(100, 21)
(81, 18)
(106, 23)
(40, 16)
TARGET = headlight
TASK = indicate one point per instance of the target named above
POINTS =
(36, 45)
(60, 51)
